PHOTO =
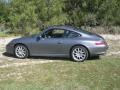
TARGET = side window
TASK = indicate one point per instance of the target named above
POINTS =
(72, 34)
(54, 33)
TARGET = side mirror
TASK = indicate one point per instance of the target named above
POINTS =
(38, 38)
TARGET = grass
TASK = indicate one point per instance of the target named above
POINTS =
(101, 74)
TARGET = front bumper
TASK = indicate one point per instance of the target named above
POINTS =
(10, 49)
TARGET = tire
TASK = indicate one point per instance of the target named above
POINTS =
(79, 53)
(21, 51)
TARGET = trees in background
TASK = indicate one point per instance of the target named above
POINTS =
(93, 12)
(30, 16)
(3, 11)
(22, 16)
(50, 12)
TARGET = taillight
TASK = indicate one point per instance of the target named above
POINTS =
(100, 43)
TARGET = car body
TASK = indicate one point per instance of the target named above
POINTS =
(58, 41)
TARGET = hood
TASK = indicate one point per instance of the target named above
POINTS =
(23, 39)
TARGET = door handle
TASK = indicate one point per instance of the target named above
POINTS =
(59, 43)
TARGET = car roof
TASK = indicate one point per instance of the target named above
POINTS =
(64, 27)
(71, 28)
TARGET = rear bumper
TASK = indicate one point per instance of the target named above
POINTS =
(98, 50)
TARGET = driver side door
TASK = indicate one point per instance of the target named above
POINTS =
(50, 43)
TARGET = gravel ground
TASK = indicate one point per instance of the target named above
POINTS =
(114, 44)
(111, 37)
(112, 40)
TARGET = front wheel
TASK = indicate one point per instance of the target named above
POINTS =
(79, 53)
(21, 51)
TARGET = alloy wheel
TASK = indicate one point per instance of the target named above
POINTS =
(79, 53)
(21, 51)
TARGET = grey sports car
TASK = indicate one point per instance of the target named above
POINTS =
(59, 41)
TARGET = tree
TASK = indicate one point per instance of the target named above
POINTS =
(93, 12)
(3, 11)
(22, 16)
(109, 12)
(30, 16)
(50, 12)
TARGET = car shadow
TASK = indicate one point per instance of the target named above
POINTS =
(39, 57)
(7, 55)
(50, 58)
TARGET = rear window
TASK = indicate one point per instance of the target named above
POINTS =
(83, 31)
(71, 34)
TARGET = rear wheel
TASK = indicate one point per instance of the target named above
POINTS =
(79, 53)
(21, 51)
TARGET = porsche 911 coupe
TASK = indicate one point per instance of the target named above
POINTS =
(59, 41)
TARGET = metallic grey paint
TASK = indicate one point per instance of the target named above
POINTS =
(61, 47)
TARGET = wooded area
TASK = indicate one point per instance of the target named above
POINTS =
(30, 16)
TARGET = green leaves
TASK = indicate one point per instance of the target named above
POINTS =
(93, 12)
(34, 14)
(22, 15)
(28, 16)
